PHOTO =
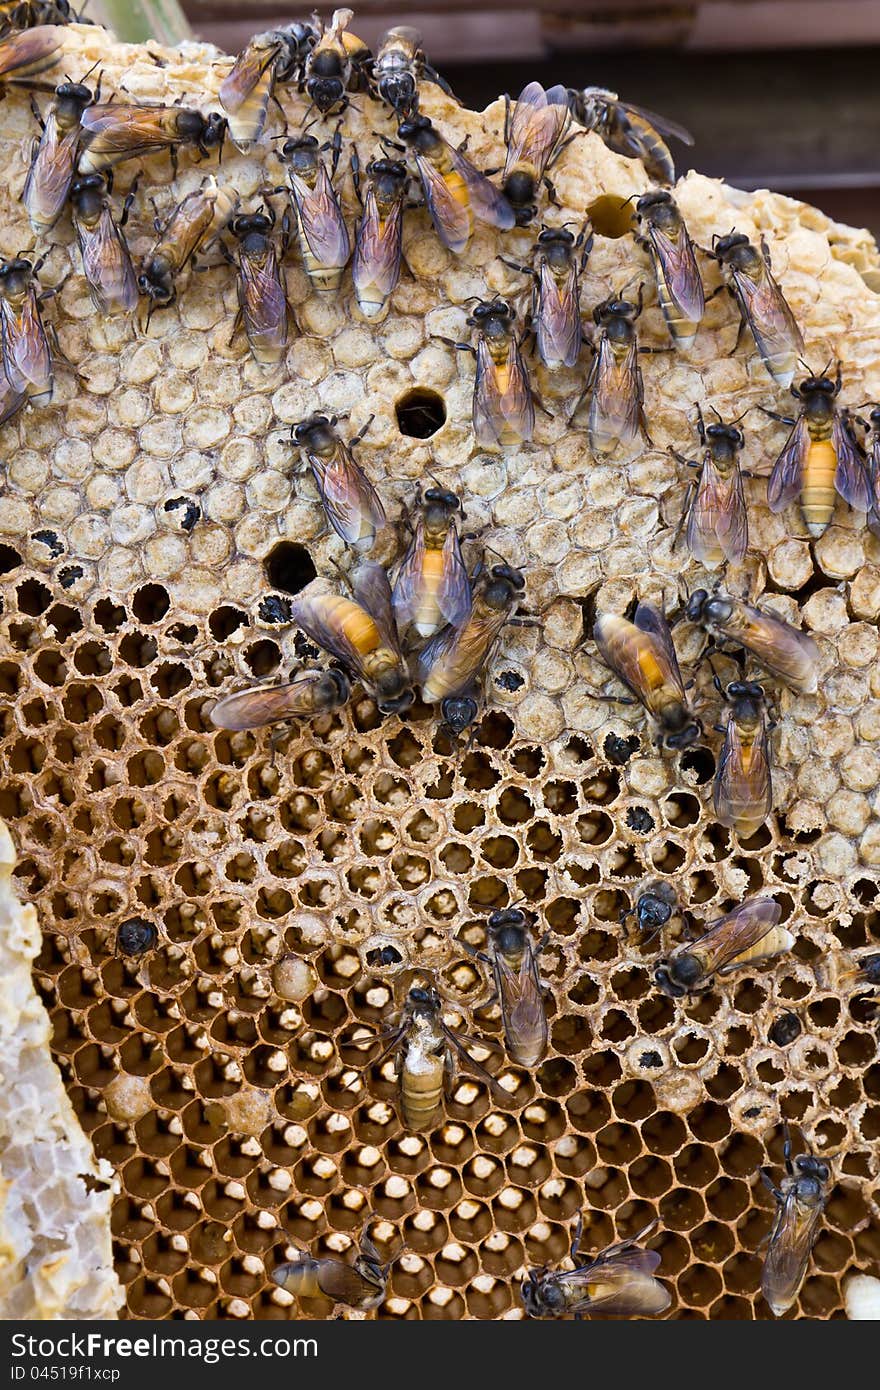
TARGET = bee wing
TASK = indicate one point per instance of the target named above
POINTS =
(788, 1252)
(737, 786)
(768, 314)
(661, 123)
(322, 221)
(786, 477)
(521, 997)
(497, 1092)
(250, 709)
(454, 594)
(622, 1282)
(736, 932)
(559, 318)
(718, 515)
(466, 648)
(452, 219)
(343, 1283)
(783, 649)
(378, 247)
(616, 392)
(247, 70)
(35, 50)
(681, 273)
(373, 592)
(348, 496)
(650, 620)
(488, 203)
(50, 176)
(408, 584)
(11, 399)
(26, 356)
(262, 296)
(313, 614)
(107, 265)
(536, 126)
(502, 397)
(851, 475)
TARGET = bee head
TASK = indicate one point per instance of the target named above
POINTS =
(414, 126)
(745, 690)
(394, 696)
(507, 582)
(652, 911)
(726, 247)
(811, 1168)
(399, 90)
(556, 236)
(334, 688)
(426, 1000)
(507, 929)
(727, 434)
(15, 276)
(250, 223)
(447, 500)
(612, 309)
(74, 92)
(301, 153)
(325, 92)
(818, 386)
(541, 1294)
(136, 936)
(675, 977)
(317, 434)
(685, 737)
(869, 969)
(458, 713)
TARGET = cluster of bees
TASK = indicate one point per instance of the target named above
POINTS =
(436, 624)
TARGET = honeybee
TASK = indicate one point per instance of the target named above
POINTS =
(533, 134)
(428, 1056)
(820, 457)
(432, 586)
(351, 503)
(275, 57)
(763, 307)
(318, 222)
(337, 64)
(316, 692)
(503, 408)
(378, 243)
(359, 1285)
(360, 632)
(399, 66)
(262, 296)
(743, 793)
(449, 666)
(618, 1280)
(113, 132)
(555, 314)
(106, 260)
(629, 130)
(25, 55)
(641, 654)
(715, 506)
(513, 961)
(27, 359)
(800, 1201)
(680, 291)
(617, 411)
(196, 222)
(780, 648)
(51, 170)
(749, 933)
(456, 194)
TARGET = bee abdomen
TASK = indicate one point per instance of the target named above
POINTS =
(818, 493)
(683, 330)
(421, 1096)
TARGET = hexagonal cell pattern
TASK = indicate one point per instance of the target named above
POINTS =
(299, 880)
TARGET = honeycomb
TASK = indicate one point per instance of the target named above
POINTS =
(152, 526)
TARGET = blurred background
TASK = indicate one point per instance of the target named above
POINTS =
(779, 93)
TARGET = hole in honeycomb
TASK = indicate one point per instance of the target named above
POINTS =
(420, 412)
(150, 603)
(226, 620)
(611, 215)
(263, 657)
(289, 567)
(700, 763)
(9, 558)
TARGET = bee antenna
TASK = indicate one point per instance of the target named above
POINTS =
(630, 199)
(717, 414)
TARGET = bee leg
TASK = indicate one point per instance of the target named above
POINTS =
(354, 165)
(37, 113)
(685, 508)
(459, 347)
(643, 422)
(770, 1185)
(524, 621)
(523, 269)
(352, 443)
(438, 81)
(774, 415)
(236, 325)
(576, 1238)
(506, 118)
(551, 191)
(129, 199)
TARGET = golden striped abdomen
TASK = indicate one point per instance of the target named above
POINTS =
(428, 617)
(817, 493)
(683, 330)
(321, 277)
(421, 1090)
(357, 625)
